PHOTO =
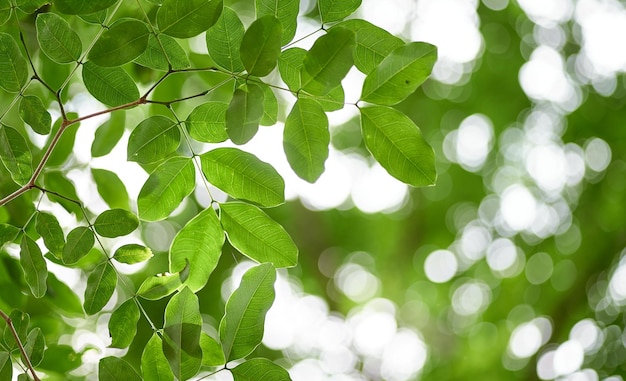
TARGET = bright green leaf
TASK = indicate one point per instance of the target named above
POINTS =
(100, 287)
(65, 145)
(115, 223)
(259, 369)
(212, 354)
(30, 6)
(111, 188)
(270, 107)
(15, 155)
(161, 52)
(334, 100)
(286, 11)
(123, 324)
(398, 145)
(260, 46)
(153, 139)
(110, 85)
(13, 66)
(335, 10)
(166, 188)
(256, 235)
(115, 369)
(400, 74)
(207, 122)
(108, 135)
(223, 41)
(82, 7)
(57, 39)
(159, 286)
(132, 253)
(79, 242)
(34, 266)
(241, 328)
(243, 176)
(244, 113)
(50, 230)
(289, 66)
(188, 18)
(121, 43)
(34, 113)
(6, 367)
(154, 364)
(8, 233)
(34, 346)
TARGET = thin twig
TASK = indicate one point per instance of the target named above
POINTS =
(25, 358)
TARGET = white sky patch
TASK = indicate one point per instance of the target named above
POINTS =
(597, 154)
(470, 144)
(518, 207)
(391, 15)
(527, 338)
(548, 12)
(588, 334)
(440, 266)
(547, 165)
(568, 357)
(503, 257)
(403, 357)
(356, 282)
(471, 298)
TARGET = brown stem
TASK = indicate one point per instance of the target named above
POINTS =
(25, 358)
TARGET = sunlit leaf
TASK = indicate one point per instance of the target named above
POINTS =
(259, 369)
(82, 7)
(50, 230)
(115, 223)
(286, 11)
(110, 85)
(163, 51)
(100, 286)
(79, 242)
(123, 324)
(108, 134)
(244, 113)
(115, 369)
(185, 19)
(154, 364)
(241, 328)
(289, 66)
(132, 253)
(260, 46)
(207, 122)
(34, 113)
(15, 155)
(333, 100)
(34, 266)
(57, 39)
(34, 346)
(256, 235)
(111, 188)
(13, 66)
(270, 107)
(121, 43)
(212, 354)
(335, 10)
(153, 139)
(223, 41)
(159, 286)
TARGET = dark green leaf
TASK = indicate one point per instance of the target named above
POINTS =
(121, 43)
(115, 369)
(21, 321)
(34, 266)
(335, 10)
(82, 7)
(166, 188)
(63, 298)
(153, 139)
(244, 176)
(189, 18)
(100, 286)
(159, 286)
(65, 145)
(154, 364)
(57, 39)
(244, 113)
(207, 122)
(398, 145)
(79, 242)
(286, 11)
(34, 113)
(400, 74)
(132, 253)
(260, 46)
(223, 41)
(108, 135)
(5, 15)
(30, 6)
(110, 85)
(241, 328)
(306, 139)
(98, 17)
(182, 329)
(270, 107)
(8, 233)
(15, 154)
(50, 230)
(123, 324)
(259, 369)
(161, 52)
(54, 181)
(212, 354)
(115, 223)
(60, 359)
(13, 66)
(34, 346)
(6, 367)
(111, 188)
(256, 235)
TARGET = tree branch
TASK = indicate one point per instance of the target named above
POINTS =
(25, 358)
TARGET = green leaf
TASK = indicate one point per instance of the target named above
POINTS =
(161, 52)
(260, 46)
(159, 286)
(115, 369)
(270, 107)
(34, 266)
(182, 329)
(259, 369)
(34, 346)
(60, 359)
(166, 188)
(110, 85)
(6, 367)
(207, 122)
(256, 235)
(100, 286)
(153, 139)
(57, 39)
(5, 15)
(108, 135)
(199, 244)
(8, 233)
(335, 10)
(243, 176)
(115, 223)
(82, 7)
(241, 328)
(123, 324)
(65, 144)
(132, 253)
(34, 113)
(373, 43)
(121, 43)
(54, 181)
(289, 66)
(79, 242)
(15, 155)
(98, 17)
(306, 139)
(328, 61)
(244, 113)
(154, 364)
(30, 6)
(223, 41)
(286, 11)
(63, 298)
(188, 18)
(400, 74)
(398, 145)
(21, 321)
(332, 101)
(50, 230)
(13, 66)
(111, 188)
(212, 354)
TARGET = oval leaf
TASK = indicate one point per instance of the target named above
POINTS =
(6, 367)
(212, 354)
(13, 66)
(259, 369)
(124, 41)
(50, 230)
(108, 135)
(163, 51)
(115, 369)
(132, 253)
(115, 223)
(398, 145)
(244, 113)
(111, 188)
(159, 286)
(34, 113)
(207, 122)
(57, 39)
(335, 10)
(8, 233)
(289, 66)
(82, 7)
(286, 11)
(256, 235)
(123, 324)
(189, 18)
(270, 107)
(15, 155)
(110, 85)
(153, 362)
(34, 346)
(34, 266)
(260, 46)
(79, 242)
(223, 41)
(153, 139)
(100, 287)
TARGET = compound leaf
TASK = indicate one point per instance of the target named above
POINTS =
(163, 51)
(13, 66)
(154, 364)
(115, 223)
(286, 11)
(159, 286)
(335, 10)
(270, 107)
(212, 354)
(108, 135)
(79, 242)
(132, 253)
(50, 230)
(116, 369)
(259, 369)
(111, 188)
(82, 7)
(34, 346)
(207, 122)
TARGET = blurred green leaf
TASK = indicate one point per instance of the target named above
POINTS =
(132, 253)
(98, 17)
(111, 188)
(34, 266)
(244, 113)
(154, 364)
(15, 154)
(185, 19)
(65, 145)
(207, 122)
(50, 230)
(6, 367)
(79, 241)
(286, 11)
(109, 85)
(153, 139)
(113, 368)
(335, 10)
(13, 66)
(60, 358)
(259, 369)
(34, 113)
(5, 14)
(260, 46)
(54, 181)
(123, 324)
(8, 233)
(223, 41)
(121, 43)
(100, 286)
(108, 134)
(212, 354)
(115, 223)
(57, 39)
(82, 7)
(63, 298)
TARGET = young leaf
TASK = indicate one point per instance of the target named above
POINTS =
(34, 346)
(110, 85)
(82, 7)
(115, 223)
(115, 369)
(132, 253)
(335, 10)
(153, 362)
(100, 287)
(121, 43)
(212, 354)
(15, 154)
(111, 188)
(260, 46)
(286, 11)
(8, 233)
(34, 266)
(189, 18)
(259, 369)
(223, 41)
(50, 230)
(163, 51)
(166, 188)
(256, 235)
(153, 139)
(13, 66)
(79, 242)
(57, 39)
(123, 324)
(270, 107)
(306, 139)
(108, 135)
(34, 113)
(182, 329)
(244, 113)
(241, 328)
(400, 74)
(159, 286)
(328, 61)
(243, 176)
(207, 122)
(398, 145)
(199, 244)
(6, 367)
